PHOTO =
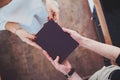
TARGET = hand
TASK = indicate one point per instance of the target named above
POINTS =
(53, 10)
(65, 67)
(21, 33)
(26, 37)
(76, 36)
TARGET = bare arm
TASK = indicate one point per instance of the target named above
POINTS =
(108, 51)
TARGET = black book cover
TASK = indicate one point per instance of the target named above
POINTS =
(55, 41)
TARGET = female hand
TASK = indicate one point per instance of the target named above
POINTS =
(75, 35)
(53, 10)
(21, 33)
(65, 67)
(26, 37)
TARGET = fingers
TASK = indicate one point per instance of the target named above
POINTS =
(53, 12)
(31, 36)
(67, 63)
(24, 34)
(68, 30)
(26, 37)
(53, 15)
(35, 45)
(57, 59)
(32, 43)
(50, 15)
(58, 18)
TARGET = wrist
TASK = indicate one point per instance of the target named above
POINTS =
(81, 40)
(70, 73)
(66, 71)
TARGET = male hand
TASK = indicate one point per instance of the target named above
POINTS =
(75, 35)
(64, 68)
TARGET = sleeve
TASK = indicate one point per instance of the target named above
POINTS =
(118, 60)
(2, 24)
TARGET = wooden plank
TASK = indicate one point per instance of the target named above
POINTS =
(102, 22)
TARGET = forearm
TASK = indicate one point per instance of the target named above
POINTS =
(105, 50)
(12, 27)
(75, 76)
